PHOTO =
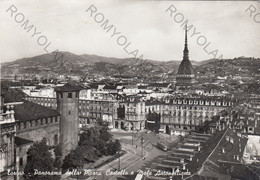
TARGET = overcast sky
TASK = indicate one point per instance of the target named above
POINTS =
(150, 30)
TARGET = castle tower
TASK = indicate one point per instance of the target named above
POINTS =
(185, 76)
(68, 106)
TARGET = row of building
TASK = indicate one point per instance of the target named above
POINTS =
(183, 112)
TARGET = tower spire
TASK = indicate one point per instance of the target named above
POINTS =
(186, 51)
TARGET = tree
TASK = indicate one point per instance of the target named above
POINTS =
(89, 154)
(39, 158)
(58, 157)
(91, 138)
(117, 145)
(113, 147)
(96, 138)
(105, 135)
(75, 159)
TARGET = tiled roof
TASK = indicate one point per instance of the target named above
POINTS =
(110, 87)
(12, 95)
(68, 88)
(159, 84)
(21, 141)
(225, 159)
(29, 111)
(208, 87)
(142, 87)
(233, 147)
(93, 86)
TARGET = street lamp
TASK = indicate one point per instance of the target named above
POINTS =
(119, 152)
(142, 138)
(132, 138)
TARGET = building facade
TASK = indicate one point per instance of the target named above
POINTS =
(132, 114)
(7, 135)
(182, 114)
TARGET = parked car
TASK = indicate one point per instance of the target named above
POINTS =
(162, 146)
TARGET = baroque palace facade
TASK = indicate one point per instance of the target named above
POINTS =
(179, 114)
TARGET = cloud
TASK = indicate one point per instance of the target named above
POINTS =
(144, 23)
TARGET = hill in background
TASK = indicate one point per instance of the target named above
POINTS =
(64, 63)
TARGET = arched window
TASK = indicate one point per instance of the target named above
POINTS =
(55, 139)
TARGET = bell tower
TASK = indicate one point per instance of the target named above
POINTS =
(68, 106)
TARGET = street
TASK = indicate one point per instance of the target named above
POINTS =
(141, 152)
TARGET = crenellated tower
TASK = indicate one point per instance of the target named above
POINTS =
(68, 106)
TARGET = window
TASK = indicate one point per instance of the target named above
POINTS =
(69, 95)
(69, 112)
(55, 139)
(61, 95)
(21, 161)
(2, 161)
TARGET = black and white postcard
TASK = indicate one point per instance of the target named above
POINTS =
(129, 90)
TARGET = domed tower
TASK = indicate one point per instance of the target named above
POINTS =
(185, 76)
(68, 106)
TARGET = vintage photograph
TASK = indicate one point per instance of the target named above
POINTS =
(129, 90)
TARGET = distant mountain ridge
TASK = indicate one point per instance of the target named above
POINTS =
(86, 58)
(58, 63)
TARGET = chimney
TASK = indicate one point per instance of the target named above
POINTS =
(182, 160)
(177, 170)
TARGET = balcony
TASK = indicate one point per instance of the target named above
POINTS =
(8, 115)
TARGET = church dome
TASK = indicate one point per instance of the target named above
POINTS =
(185, 68)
